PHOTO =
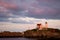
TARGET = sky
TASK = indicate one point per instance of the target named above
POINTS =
(29, 12)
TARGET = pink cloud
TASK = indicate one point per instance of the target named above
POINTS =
(7, 5)
(2, 9)
(25, 6)
(44, 10)
(37, 11)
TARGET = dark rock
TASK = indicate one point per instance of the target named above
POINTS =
(11, 34)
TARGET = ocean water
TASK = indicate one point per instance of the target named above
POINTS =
(18, 39)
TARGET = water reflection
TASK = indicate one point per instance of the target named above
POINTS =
(18, 39)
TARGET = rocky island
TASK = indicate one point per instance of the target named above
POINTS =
(34, 33)
(49, 33)
(42, 32)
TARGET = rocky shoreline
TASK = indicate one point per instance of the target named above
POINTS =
(7, 34)
(34, 33)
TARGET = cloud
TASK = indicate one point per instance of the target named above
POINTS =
(4, 12)
(8, 5)
(6, 26)
(49, 9)
(25, 20)
(47, 12)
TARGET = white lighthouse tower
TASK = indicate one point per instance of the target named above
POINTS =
(46, 25)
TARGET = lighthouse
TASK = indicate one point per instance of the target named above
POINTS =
(42, 27)
(46, 25)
